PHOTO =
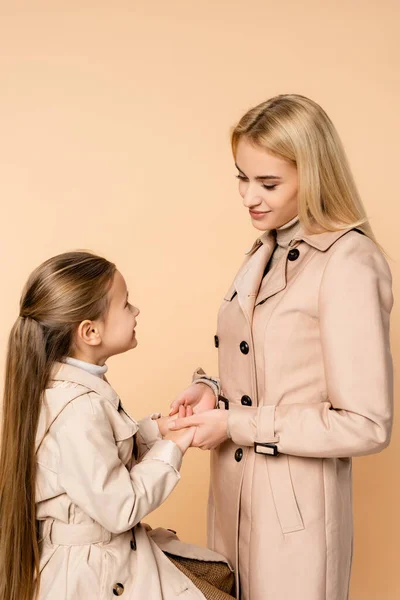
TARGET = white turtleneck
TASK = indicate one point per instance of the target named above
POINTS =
(97, 370)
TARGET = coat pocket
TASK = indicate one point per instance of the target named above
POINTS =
(283, 492)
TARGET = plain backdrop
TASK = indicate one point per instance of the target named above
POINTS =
(114, 137)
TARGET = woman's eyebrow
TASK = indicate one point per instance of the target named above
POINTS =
(260, 177)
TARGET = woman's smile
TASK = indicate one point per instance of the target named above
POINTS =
(256, 214)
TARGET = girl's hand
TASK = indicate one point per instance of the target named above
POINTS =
(182, 438)
(163, 422)
(211, 428)
(198, 395)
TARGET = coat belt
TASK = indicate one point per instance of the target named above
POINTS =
(70, 534)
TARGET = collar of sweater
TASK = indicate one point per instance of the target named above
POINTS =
(97, 370)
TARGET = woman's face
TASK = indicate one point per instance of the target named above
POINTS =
(268, 186)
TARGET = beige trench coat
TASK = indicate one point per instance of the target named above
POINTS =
(92, 494)
(305, 363)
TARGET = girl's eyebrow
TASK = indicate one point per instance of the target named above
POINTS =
(259, 177)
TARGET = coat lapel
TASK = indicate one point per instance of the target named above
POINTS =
(275, 281)
(247, 281)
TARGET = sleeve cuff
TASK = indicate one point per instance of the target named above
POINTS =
(149, 430)
(199, 376)
(249, 425)
(165, 451)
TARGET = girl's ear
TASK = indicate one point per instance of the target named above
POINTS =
(88, 333)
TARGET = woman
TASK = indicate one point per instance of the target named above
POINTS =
(304, 362)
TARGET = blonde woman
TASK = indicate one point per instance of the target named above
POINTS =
(305, 369)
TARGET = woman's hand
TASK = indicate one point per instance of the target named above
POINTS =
(211, 428)
(198, 395)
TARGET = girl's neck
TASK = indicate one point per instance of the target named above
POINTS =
(97, 370)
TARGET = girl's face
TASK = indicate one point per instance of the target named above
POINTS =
(117, 328)
(268, 185)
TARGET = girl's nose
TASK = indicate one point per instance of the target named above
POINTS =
(137, 311)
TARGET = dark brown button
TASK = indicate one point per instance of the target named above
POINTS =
(133, 544)
(244, 347)
(118, 589)
(293, 254)
(238, 454)
(216, 341)
(246, 401)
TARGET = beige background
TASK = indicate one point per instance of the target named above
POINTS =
(114, 121)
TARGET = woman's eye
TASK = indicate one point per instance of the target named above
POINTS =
(241, 177)
(269, 187)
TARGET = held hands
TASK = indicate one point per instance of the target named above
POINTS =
(184, 438)
(194, 412)
(211, 428)
(198, 395)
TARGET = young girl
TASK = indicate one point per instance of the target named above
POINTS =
(77, 474)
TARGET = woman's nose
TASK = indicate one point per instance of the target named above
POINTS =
(251, 197)
(137, 312)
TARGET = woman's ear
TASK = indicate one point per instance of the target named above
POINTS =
(88, 333)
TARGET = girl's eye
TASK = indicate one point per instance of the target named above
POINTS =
(241, 177)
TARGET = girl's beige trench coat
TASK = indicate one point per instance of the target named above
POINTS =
(305, 363)
(93, 489)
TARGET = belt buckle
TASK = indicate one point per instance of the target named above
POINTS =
(224, 401)
(266, 449)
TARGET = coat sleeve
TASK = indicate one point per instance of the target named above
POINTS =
(355, 301)
(148, 434)
(96, 480)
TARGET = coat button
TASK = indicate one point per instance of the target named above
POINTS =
(133, 544)
(238, 454)
(216, 341)
(244, 347)
(293, 254)
(246, 401)
(118, 589)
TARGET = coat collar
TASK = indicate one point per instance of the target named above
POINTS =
(247, 281)
(55, 399)
(66, 372)
(320, 241)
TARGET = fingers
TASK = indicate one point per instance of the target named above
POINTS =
(189, 411)
(182, 423)
(180, 401)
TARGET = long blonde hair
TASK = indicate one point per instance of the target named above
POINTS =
(59, 294)
(298, 130)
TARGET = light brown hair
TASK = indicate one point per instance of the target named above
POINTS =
(59, 294)
(298, 130)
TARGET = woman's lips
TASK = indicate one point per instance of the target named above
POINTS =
(257, 214)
